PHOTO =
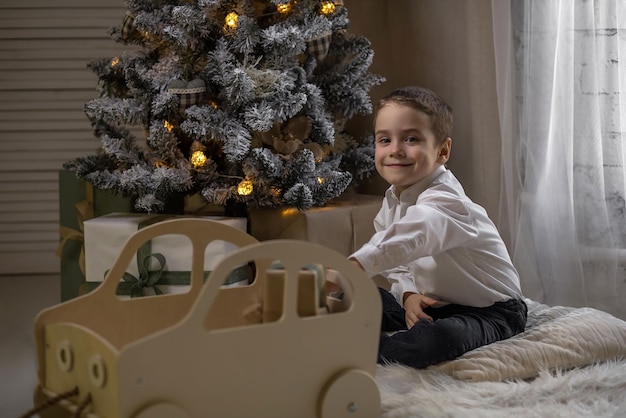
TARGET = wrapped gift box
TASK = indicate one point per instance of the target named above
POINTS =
(343, 225)
(78, 202)
(106, 235)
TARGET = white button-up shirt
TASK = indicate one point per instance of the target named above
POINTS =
(434, 240)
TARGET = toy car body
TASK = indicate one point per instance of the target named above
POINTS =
(272, 348)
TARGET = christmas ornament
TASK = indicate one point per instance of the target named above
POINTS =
(319, 45)
(189, 93)
(290, 137)
(128, 31)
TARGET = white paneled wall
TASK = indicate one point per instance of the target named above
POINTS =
(45, 46)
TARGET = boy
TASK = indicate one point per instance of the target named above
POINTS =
(453, 286)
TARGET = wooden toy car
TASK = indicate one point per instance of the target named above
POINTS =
(277, 347)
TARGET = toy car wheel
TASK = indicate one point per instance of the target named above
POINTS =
(352, 393)
(162, 410)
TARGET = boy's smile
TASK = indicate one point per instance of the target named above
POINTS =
(406, 148)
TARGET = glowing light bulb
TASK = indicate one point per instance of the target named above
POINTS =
(327, 8)
(320, 180)
(232, 19)
(115, 61)
(244, 188)
(283, 8)
(198, 159)
(168, 126)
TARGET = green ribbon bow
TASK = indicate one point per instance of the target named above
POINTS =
(133, 286)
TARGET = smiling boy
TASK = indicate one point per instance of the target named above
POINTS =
(453, 286)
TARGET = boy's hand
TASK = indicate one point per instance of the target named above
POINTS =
(414, 303)
(331, 285)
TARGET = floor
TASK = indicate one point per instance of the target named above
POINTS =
(21, 299)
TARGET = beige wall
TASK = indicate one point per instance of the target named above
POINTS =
(447, 46)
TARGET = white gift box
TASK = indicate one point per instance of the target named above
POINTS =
(106, 235)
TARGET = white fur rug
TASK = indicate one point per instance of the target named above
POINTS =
(596, 391)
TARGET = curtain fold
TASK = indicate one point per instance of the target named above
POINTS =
(562, 121)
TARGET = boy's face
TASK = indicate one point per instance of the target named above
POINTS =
(406, 147)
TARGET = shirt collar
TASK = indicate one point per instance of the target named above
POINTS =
(411, 193)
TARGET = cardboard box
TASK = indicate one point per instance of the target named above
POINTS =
(344, 225)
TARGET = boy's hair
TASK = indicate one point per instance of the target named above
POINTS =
(424, 100)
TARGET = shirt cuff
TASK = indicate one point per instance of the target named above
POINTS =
(400, 287)
(366, 256)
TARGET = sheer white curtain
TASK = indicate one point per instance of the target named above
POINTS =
(561, 83)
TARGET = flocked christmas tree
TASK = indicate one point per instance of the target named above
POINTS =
(241, 101)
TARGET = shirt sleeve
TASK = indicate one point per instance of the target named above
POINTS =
(428, 228)
(401, 281)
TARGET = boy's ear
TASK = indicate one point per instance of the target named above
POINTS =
(444, 151)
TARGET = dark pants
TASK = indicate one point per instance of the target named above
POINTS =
(455, 330)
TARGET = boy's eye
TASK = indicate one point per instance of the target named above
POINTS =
(411, 139)
(383, 140)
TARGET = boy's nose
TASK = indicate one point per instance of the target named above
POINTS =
(397, 151)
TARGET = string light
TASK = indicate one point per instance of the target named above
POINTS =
(244, 188)
(284, 8)
(168, 126)
(232, 19)
(115, 61)
(198, 159)
(327, 8)
(320, 180)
